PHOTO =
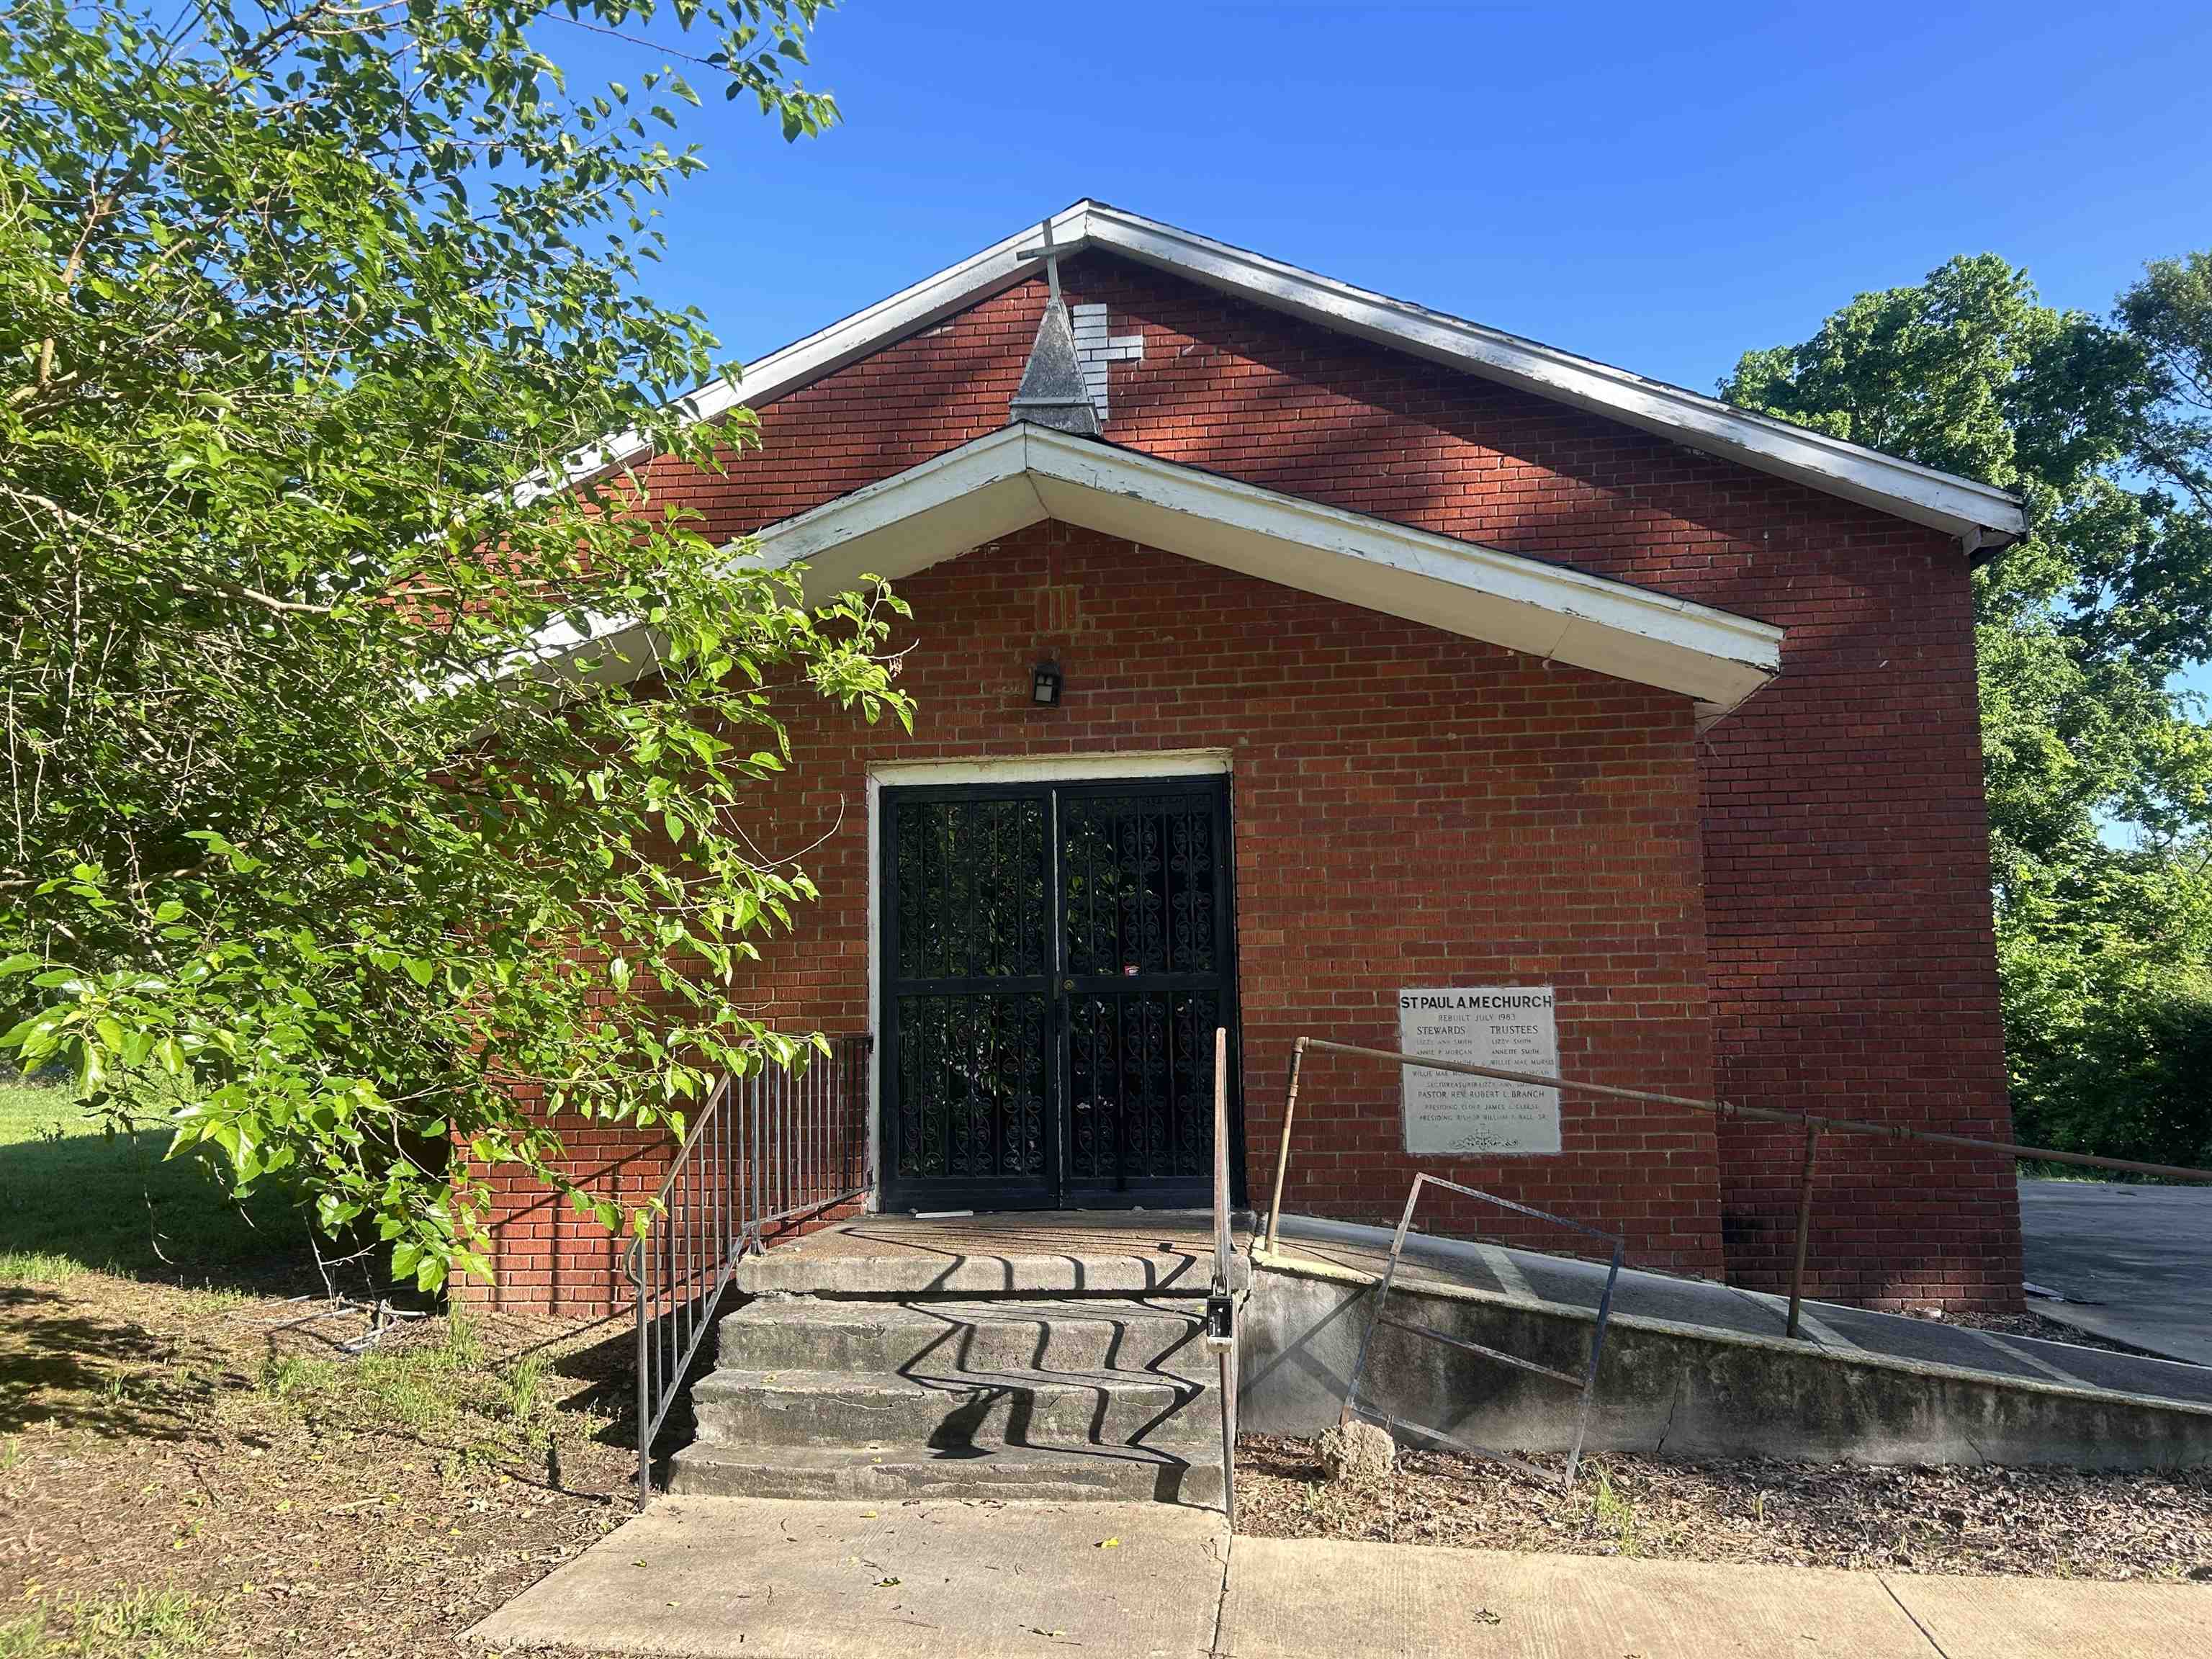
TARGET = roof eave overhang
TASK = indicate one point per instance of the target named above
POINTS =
(1979, 514)
(1983, 519)
(1022, 475)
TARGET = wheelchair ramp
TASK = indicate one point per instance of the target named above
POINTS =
(1694, 1368)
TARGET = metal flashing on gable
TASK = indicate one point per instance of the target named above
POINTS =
(1055, 391)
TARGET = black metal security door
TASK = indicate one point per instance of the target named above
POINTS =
(1055, 959)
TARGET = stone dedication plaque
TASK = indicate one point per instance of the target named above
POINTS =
(1450, 1115)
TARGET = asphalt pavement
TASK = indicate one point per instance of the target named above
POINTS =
(2134, 1263)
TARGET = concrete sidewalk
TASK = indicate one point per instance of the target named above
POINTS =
(749, 1578)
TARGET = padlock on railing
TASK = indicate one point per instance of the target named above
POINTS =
(1220, 1323)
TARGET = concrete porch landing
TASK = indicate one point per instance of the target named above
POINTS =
(1026, 1253)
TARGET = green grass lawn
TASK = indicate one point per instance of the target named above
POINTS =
(74, 1200)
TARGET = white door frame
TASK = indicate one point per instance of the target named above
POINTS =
(984, 768)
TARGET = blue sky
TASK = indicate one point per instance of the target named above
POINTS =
(1654, 187)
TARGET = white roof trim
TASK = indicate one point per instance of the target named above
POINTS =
(1022, 475)
(1921, 494)
(1983, 516)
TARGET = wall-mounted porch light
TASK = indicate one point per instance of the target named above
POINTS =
(1044, 684)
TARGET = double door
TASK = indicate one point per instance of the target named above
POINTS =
(1055, 959)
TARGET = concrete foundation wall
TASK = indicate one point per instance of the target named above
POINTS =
(1670, 1389)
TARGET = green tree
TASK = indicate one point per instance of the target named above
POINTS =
(2099, 772)
(291, 296)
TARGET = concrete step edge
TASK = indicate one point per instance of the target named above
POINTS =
(730, 1381)
(1198, 1453)
(933, 1313)
(902, 1277)
(1093, 1474)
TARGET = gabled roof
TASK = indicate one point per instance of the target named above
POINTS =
(1025, 474)
(1980, 515)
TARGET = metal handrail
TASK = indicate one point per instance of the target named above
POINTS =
(1814, 1123)
(1221, 1303)
(772, 1146)
(1587, 1382)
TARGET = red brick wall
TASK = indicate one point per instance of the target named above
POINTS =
(1846, 916)
(1408, 808)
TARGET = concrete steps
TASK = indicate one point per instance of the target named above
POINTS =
(1023, 1395)
(946, 1412)
(938, 1337)
(1167, 1267)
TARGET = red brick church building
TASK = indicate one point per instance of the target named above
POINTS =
(1279, 649)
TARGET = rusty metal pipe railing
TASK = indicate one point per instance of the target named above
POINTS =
(1221, 1245)
(1814, 1123)
(1283, 1146)
(1221, 1299)
(1804, 1230)
(1586, 1384)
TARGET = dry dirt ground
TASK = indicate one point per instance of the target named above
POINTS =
(184, 1471)
(2032, 1324)
(192, 1463)
(2047, 1523)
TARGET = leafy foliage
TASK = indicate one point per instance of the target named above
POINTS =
(2099, 772)
(300, 815)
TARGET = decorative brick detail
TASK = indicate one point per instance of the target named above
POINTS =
(1793, 911)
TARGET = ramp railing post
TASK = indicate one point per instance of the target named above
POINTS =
(1221, 1299)
(1283, 1146)
(1375, 1308)
(1804, 1230)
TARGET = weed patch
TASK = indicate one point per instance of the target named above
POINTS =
(37, 1267)
(1615, 1515)
(434, 1382)
(125, 1624)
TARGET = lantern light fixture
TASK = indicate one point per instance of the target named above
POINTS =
(1044, 684)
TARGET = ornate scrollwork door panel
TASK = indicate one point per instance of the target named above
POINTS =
(1056, 960)
(968, 1064)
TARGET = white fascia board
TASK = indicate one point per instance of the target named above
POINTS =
(923, 516)
(892, 528)
(1961, 507)
(846, 341)
(1023, 474)
(1984, 517)
(1523, 603)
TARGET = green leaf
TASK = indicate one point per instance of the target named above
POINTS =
(268, 623)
